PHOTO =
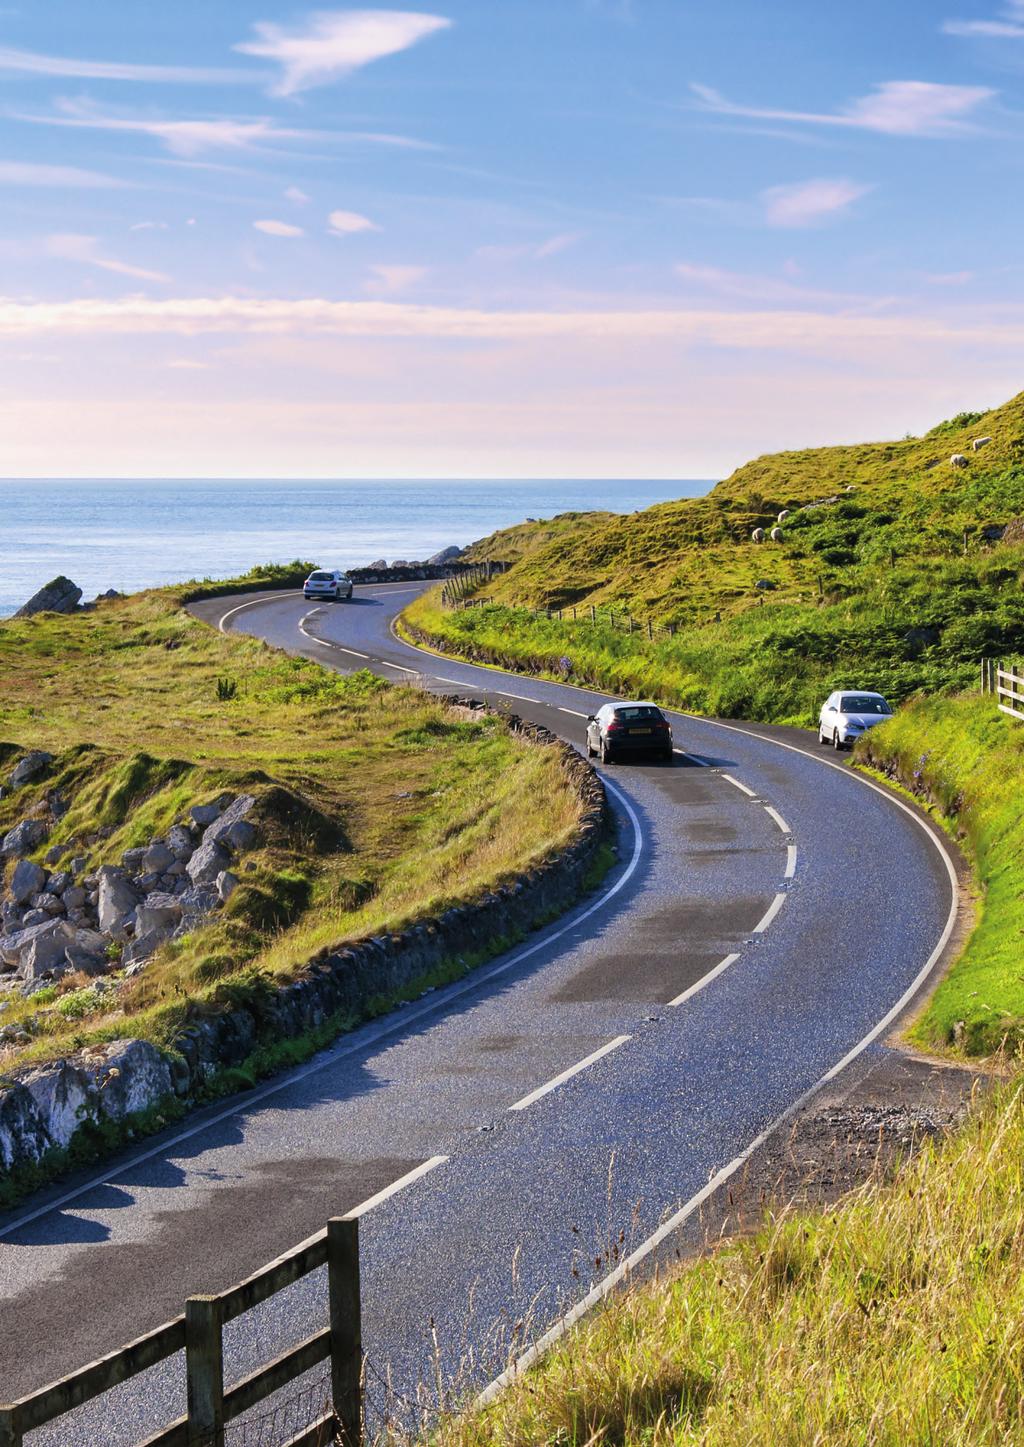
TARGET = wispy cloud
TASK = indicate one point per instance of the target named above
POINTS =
(1009, 25)
(278, 228)
(950, 278)
(393, 280)
(149, 226)
(808, 203)
(192, 137)
(28, 173)
(85, 250)
(893, 108)
(29, 62)
(333, 43)
(297, 195)
(348, 223)
(555, 244)
(537, 251)
(747, 286)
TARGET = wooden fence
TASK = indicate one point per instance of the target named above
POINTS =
(1005, 681)
(614, 618)
(199, 1331)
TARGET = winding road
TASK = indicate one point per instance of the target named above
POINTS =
(522, 1135)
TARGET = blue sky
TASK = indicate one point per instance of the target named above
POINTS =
(577, 237)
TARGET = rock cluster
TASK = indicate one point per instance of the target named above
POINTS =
(61, 595)
(66, 917)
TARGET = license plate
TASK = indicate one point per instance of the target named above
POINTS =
(641, 731)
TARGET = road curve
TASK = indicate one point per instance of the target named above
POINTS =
(559, 1110)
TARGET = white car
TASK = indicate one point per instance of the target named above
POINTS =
(847, 714)
(327, 585)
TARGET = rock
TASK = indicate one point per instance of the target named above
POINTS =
(196, 905)
(157, 857)
(60, 595)
(51, 903)
(59, 882)
(87, 951)
(446, 555)
(78, 865)
(27, 880)
(220, 831)
(1014, 531)
(241, 836)
(764, 585)
(30, 766)
(203, 814)
(57, 805)
(177, 869)
(207, 862)
(34, 917)
(146, 883)
(227, 883)
(993, 532)
(55, 853)
(138, 950)
(180, 842)
(131, 859)
(108, 597)
(23, 838)
(379, 566)
(43, 952)
(158, 913)
(116, 903)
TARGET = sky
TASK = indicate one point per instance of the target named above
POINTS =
(501, 238)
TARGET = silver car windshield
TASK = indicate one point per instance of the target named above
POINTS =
(863, 703)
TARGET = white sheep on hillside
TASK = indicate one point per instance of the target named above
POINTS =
(757, 535)
(979, 443)
(776, 535)
(958, 460)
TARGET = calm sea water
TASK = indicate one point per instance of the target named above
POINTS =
(129, 535)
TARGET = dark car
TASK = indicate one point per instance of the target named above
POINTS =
(621, 729)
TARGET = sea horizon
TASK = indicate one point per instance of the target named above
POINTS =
(133, 533)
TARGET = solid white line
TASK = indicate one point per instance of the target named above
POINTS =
(568, 1074)
(394, 1188)
(256, 603)
(701, 763)
(574, 711)
(369, 1036)
(790, 862)
(704, 980)
(778, 819)
(770, 913)
(730, 780)
(398, 667)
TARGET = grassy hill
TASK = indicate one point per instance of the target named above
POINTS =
(901, 579)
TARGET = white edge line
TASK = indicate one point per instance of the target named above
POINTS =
(396, 1022)
(790, 862)
(603, 1288)
(395, 1187)
(778, 819)
(574, 711)
(704, 980)
(769, 915)
(730, 780)
(568, 1074)
(256, 603)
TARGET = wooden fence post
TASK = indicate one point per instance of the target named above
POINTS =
(593, 614)
(204, 1370)
(650, 629)
(9, 1437)
(346, 1328)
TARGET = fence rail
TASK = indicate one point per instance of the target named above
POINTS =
(212, 1405)
(1005, 681)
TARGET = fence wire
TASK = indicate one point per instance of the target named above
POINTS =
(285, 1419)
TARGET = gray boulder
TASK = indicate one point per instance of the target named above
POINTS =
(30, 766)
(60, 595)
(203, 814)
(158, 913)
(220, 831)
(27, 880)
(446, 555)
(58, 882)
(157, 857)
(115, 903)
(87, 951)
(180, 842)
(41, 950)
(227, 883)
(131, 859)
(23, 838)
(142, 946)
(207, 862)
(51, 903)
(34, 917)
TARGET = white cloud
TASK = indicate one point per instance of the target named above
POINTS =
(555, 244)
(149, 226)
(751, 287)
(950, 278)
(296, 194)
(334, 43)
(1009, 27)
(807, 203)
(391, 280)
(28, 62)
(84, 249)
(191, 137)
(278, 228)
(347, 223)
(26, 173)
(894, 108)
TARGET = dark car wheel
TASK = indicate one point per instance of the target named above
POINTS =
(666, 757)
(606, 753)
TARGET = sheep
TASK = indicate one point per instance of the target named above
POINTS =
(979, 443)
(958, 460)
(776, 535)
(783, 515)
(757, 536)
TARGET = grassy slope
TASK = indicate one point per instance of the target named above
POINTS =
(377, 804)
(897, 1317)
(851, 585)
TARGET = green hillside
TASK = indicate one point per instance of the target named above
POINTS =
(894, 569)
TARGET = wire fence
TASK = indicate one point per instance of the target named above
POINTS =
(617, 619)
(305, 1415)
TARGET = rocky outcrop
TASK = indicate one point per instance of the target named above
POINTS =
(60, 595)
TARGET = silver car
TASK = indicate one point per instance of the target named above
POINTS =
(327, 585)
(846, 715)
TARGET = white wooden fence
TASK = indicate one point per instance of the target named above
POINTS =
(1006, 682)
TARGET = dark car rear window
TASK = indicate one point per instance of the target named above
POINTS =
(637, 711)
(319, 577)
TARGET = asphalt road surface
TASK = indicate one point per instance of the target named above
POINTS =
(556, 1112)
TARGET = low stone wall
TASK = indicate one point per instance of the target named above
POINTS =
(42, 1108)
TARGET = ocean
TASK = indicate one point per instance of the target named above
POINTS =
(138, 534)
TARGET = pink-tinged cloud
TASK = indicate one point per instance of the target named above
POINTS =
(893, 108)
(278, 228)
(85, 251)
(809, 203)
(334, 43)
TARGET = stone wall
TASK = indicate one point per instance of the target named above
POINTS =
(42, 1107)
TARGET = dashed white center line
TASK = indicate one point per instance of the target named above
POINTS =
(770, 913)
(395, 1187)
(704, 980)
(568, 1074)
(730, 780)
(774, 813)
(790, 862)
